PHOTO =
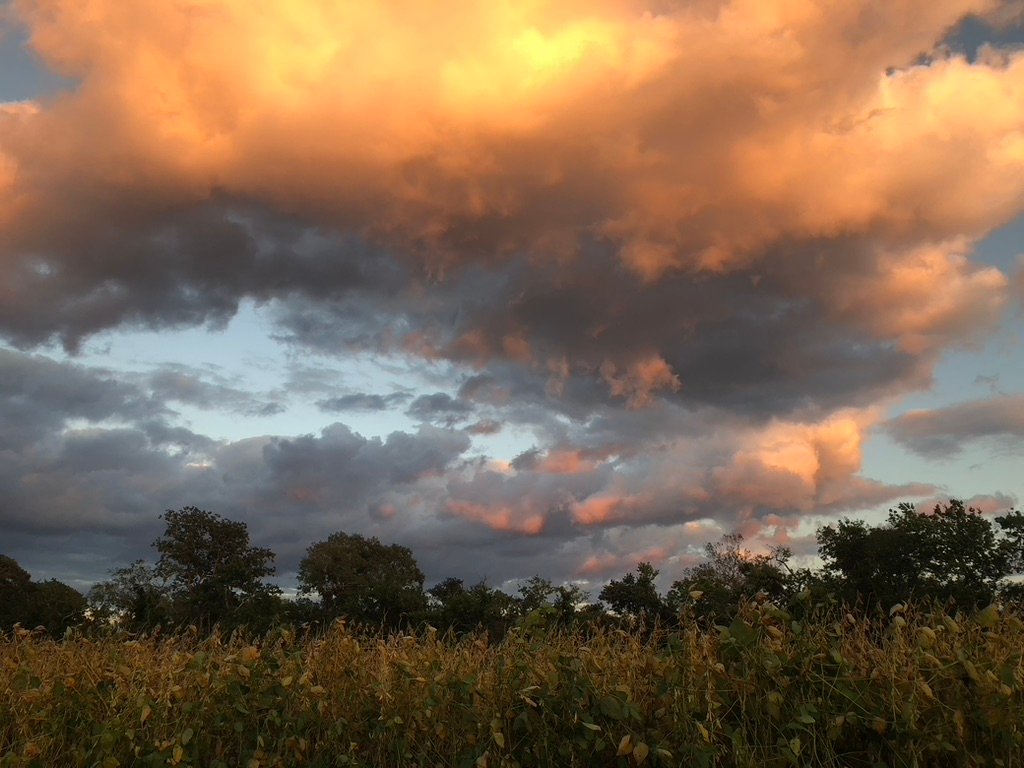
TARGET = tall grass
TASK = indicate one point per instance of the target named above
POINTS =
(919, 689)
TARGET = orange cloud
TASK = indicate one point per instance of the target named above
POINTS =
(690, 136)
(641, 379)
(498, 517)
(607, 507)
(792, 465)
(563, 462)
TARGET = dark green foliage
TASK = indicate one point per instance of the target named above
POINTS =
(635, 596)
(132, 599)
(51, 604)
(952, 555)
(731, 574)
(57, 607)
(453, 606)
(559, 604)
(15, 593)
(214, 576)
(363, 580)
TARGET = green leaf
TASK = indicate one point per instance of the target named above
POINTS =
(611, 707)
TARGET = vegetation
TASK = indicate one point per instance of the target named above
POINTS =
(904, 648)
(209, 575)
(913, 688)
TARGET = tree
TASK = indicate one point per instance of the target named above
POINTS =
(16, 590)
(364, 580)
(560, 603)
(1011, 526)
(133, 599)
(57, 606)
(453, 606)
(209, 566)
(952, 554)
(51, 604)
(729, 574)
(636, 596)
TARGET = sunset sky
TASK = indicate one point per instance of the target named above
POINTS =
(529, 287)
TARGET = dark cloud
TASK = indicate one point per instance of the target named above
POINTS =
(177, 383)
(945, 432)
(439, 407)
(362, 401)
(577, 493)
(691, 268)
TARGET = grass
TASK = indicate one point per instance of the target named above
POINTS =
(915, 689)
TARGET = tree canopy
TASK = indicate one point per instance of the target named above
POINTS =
(362, 579)
(210, 568)
(951, 554)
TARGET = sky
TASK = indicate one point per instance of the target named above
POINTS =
(529, 287)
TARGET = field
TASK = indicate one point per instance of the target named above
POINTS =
(911, 689)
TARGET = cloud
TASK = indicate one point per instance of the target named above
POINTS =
(439, 407)
(691, 250)
(104, 457)
(177, 383)
(511, 129)
(945, 432)
(361, 401)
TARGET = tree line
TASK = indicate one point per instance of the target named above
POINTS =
(209, 575)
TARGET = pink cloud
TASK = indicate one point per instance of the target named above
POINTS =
(499, 517)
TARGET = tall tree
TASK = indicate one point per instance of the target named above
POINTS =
(16, 590)
(636, 596)
(461, 609)
(362, 579)
(58, 606)
(133, 598)
(210, 568)
(561, 602)
(951, 554)
(729, 574)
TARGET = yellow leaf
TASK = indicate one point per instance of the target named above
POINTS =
(958, 721)
(286, 680)
(592, 726)
(499, 739)
(640, 752)
(795, 745)
(704, 733)
(625, 745)
(146, 712)
(988, 617)
(179, 753)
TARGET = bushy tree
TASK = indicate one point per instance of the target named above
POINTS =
(1011, 527)
(16, 590)
(364, 580)
(560, 604)
(636, 596)
(210, 568)
(730, 574)
(454, 606)
(57, 606)
(50, 604)
(952, 554)
(133, 598)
